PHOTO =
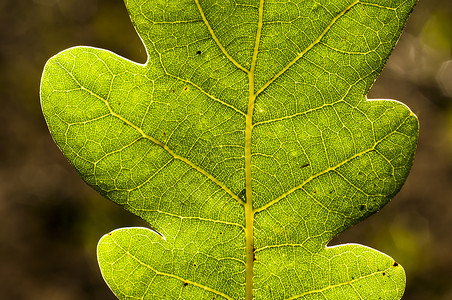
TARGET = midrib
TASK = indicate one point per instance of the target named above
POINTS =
(249, 212)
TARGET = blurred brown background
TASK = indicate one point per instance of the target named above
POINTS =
(51, 221)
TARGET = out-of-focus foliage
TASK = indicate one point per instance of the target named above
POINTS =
(42, 198)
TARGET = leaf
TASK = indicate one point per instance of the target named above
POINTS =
(246, 141)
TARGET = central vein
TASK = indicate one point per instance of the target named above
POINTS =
(249, 212)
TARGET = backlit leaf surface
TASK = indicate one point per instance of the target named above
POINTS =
(246, 141)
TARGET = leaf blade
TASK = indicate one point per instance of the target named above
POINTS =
(158, 264)
(223, 131)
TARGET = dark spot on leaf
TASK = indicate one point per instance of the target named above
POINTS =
(395, 264)
(384, 273)
(109, 234)
(221, 232)
(185, 88)
(242, 195)
(194, 265)
(304, 166)
(361, 207)
(198, 52)
(185, 283)
(164, 133)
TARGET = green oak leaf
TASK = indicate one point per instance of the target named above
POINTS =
(246, 141)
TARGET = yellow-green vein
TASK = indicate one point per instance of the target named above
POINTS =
(301, 54)
(249, 210)
(350, 282)
(176, 156)
(204, 92)
(312, 178)
(217, 41)
(170, 275)
(374, 148)
(155, 141)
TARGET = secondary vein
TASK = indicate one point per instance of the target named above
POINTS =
(205, 287)
(350, 282)
(333, 168)
(301, 54)
(155, 141)
(217, 41)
